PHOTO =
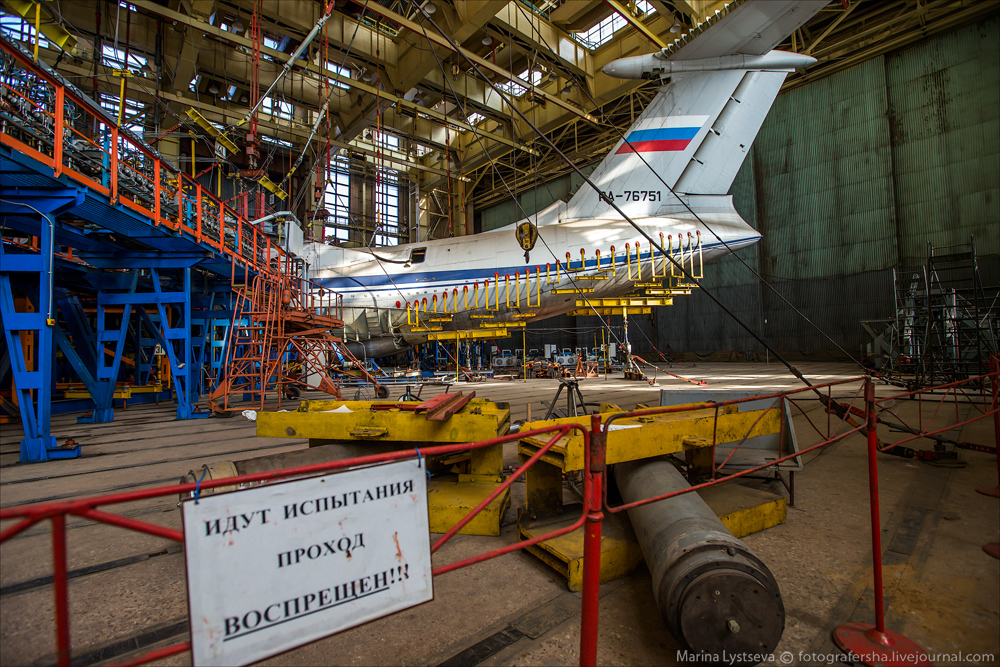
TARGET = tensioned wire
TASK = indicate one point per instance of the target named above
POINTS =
(496, 169)
(757, 275)
(687, 274)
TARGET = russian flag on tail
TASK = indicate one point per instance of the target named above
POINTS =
(674, 135)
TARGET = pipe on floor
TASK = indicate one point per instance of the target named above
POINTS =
(714, 594)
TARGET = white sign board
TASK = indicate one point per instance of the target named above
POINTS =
(277, 566)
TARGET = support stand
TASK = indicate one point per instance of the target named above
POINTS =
(33, 380)
(993, 548)
(575, 405)
(875, 644)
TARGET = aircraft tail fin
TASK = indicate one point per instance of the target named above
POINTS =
(694, 135)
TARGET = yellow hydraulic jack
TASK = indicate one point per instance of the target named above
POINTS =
(741, 509)
(344, 429)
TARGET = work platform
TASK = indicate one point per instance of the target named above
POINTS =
(98, 223)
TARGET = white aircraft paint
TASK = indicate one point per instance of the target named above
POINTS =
(694, 135)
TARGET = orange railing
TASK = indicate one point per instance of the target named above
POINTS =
(95, 153)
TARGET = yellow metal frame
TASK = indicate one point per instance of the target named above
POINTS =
(480, 419)
(742, 510)
(450, 497)
(469, 334)
(661, 434)
(626, 302)
(36, 13)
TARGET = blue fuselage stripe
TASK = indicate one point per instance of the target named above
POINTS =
(442, 280)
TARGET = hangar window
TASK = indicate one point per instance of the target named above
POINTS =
(515, 89)
(273, 140)
(387, 207)
(115, 58)
(342, 71)
(602, 32)
(277, 108)
(386, 140)
(17, 29)
(338, 192)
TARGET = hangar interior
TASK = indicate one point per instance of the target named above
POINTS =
(255, 239)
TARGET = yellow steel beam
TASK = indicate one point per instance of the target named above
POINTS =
(584, 312)
(123, 393)
(469, 334)
(49, 27)
(626, 302)
(482, 63)
(316, 420)
(316, 70)
(661, 434)
(502, 325)
(636, 23)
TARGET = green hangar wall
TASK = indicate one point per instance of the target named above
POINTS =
(850, 176)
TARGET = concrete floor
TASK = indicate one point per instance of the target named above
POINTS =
(941, 589)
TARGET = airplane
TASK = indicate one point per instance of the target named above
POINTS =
(695, 134)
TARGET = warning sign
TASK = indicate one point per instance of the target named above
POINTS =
(278, 566)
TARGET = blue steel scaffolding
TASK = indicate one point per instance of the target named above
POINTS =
(109, 258)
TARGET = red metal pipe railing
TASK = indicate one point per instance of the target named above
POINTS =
(595, 476)
(86, 507)
(591, 518)
(871, 427)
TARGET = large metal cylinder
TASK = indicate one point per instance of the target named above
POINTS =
(714, 594)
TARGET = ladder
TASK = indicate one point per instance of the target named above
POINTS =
(946, 317)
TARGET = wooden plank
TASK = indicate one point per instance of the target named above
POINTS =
(446, 410)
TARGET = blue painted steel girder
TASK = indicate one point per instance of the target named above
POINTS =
(33, 386)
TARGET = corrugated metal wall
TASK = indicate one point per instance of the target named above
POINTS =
(943, 117)
(533, 200)
(849, 177)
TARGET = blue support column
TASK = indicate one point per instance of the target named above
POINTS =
(181, 362)
(38, 444)
(79, 329)
(106, 377)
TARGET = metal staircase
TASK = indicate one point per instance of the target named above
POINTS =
(947, 320)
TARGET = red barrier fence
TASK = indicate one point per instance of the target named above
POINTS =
(862, 639)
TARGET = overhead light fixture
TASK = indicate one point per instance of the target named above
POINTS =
(429, 8)
(553, 76)
(487, 40)
(568, 89)
(238, 26)
(676, 27)
(213, 88)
